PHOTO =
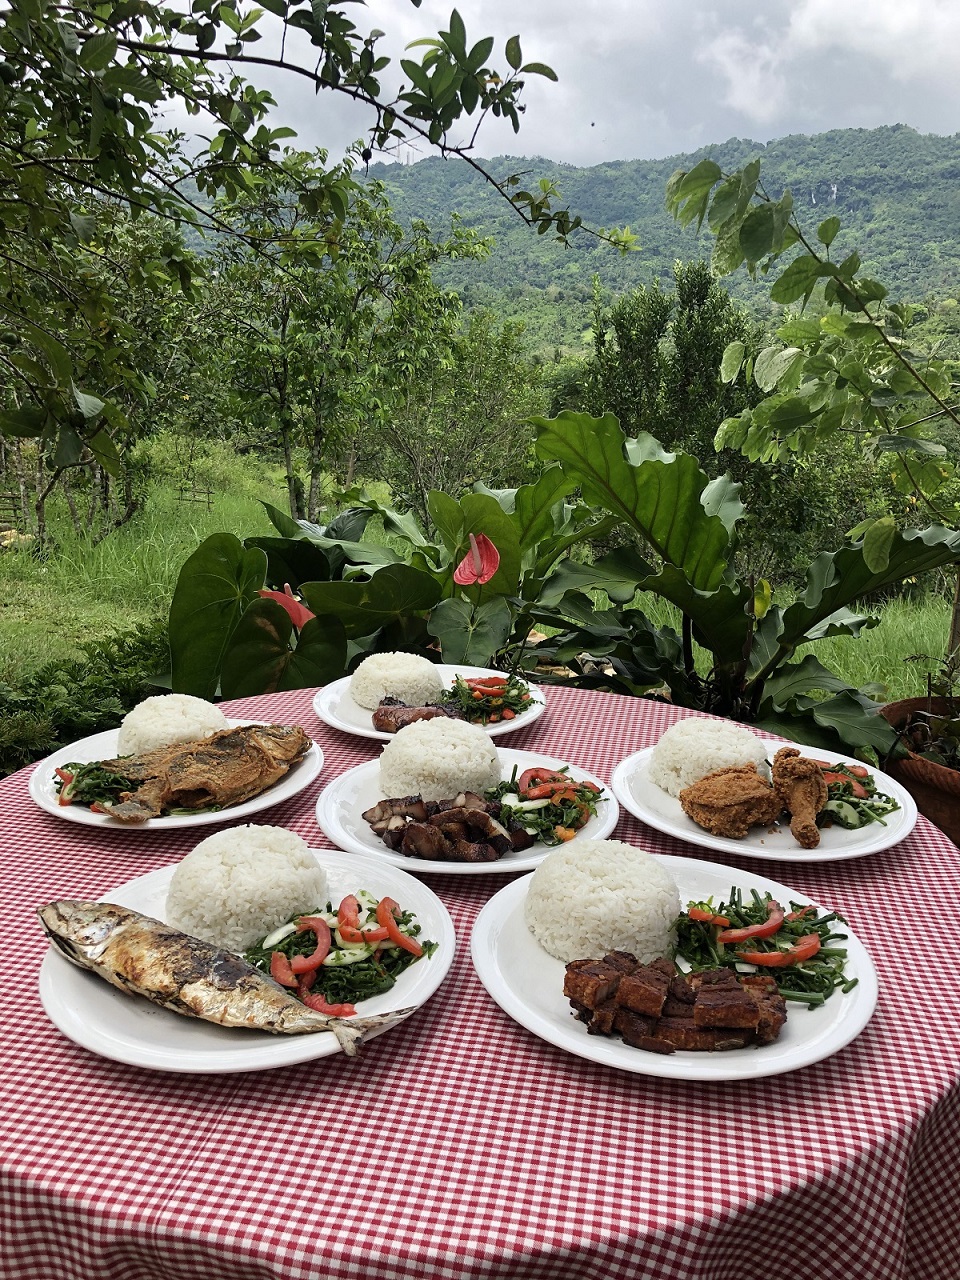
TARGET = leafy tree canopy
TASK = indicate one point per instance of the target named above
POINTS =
(82, 87)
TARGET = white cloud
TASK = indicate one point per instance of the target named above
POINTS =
(640, 79)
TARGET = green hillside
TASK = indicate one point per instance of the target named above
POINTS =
(896, 191)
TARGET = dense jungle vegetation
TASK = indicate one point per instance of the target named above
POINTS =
(896, 191)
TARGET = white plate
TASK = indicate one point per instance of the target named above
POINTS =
(129, 1029)
(527, 983)
(103, 746)
(342, 803)
(648, 802)
(334, 706)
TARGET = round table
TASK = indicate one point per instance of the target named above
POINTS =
(459, 1144)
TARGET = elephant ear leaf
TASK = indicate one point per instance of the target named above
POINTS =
(364, 607)
(471, 636)
(259, 658)
(660, 495)
(215, 586)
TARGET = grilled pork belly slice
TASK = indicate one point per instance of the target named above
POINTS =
(656, 1008)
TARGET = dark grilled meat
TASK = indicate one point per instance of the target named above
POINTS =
(393, 714)
(654, 1007)
(466, 828)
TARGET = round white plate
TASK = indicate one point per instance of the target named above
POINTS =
(129, 1029)
(103, 746)
(646, 801)
(527, 983)
(342, 803)
(334, 706)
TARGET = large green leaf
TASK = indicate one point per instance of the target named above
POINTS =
(844, 723)
(616, 573)
(658, 494)
(215, 585)
(364, 607)
(534, 506)
(293, 560)
(835, 579)
(259, 659)
(469, 635)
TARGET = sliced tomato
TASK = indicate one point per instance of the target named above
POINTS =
(531, 777)
(281, 971)
(770, 927)
(319, 1005)
(804, 949)
(387, 912)
(704, 916)
(308, 964)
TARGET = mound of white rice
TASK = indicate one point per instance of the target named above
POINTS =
(692, 748)
(237, 886)
(594, 896)
(438, 758)
(165, 719)
(395, 675)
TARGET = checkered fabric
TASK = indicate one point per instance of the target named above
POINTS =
(459, 1145)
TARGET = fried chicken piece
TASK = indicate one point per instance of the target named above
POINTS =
(799, 783)
(728, 802)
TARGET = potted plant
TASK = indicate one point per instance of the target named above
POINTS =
(928, 760)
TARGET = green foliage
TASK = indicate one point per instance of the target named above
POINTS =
(894, 189)
(658, 365)
(372, 598)
(82, 95)
(687, 525)
(850, 370)
(691, 524)
(461, 419)
(69, 699)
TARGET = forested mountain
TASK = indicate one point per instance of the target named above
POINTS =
(896, 191)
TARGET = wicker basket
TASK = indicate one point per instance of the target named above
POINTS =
(935, 788)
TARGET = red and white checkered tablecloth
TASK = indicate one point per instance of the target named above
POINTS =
(460, 1145)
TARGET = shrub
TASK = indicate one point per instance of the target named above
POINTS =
(69, 699)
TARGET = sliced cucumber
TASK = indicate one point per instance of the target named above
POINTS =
(844, 814)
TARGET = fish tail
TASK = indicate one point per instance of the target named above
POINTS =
(352, 1033)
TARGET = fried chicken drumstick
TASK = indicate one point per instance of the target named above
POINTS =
(802, 791)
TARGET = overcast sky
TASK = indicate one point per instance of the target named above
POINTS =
(644, 79)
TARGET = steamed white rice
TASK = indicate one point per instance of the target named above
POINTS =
(414, 680)
(438, 758)
(238, 885)
(593, 896)
(694, 747)
(167, 718)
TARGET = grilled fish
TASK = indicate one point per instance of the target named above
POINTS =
(225, 769)
(144, 957)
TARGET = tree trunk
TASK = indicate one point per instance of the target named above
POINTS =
(953, 644)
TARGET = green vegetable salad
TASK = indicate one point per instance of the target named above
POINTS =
(798, 947)
(340, 955)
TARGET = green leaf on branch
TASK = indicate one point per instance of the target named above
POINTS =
(799, 279)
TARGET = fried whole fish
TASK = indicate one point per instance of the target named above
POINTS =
(214, 773)
(144, 957)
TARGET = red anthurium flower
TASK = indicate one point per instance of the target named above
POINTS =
(299, 614)
(479, 564)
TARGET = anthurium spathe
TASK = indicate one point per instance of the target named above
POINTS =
(299, 614)
(479, 564)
